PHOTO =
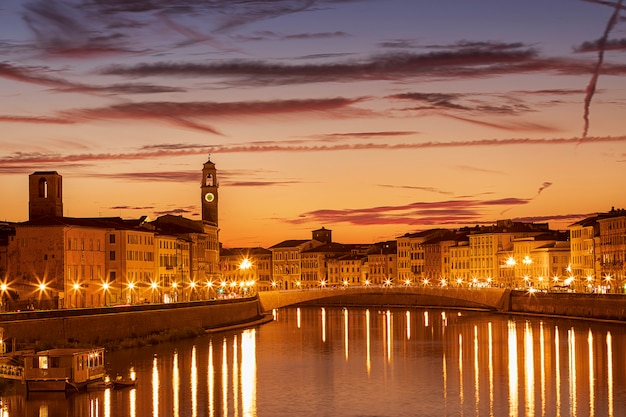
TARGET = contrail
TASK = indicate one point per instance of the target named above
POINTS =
(591, 88)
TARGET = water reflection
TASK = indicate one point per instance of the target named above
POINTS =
(356, 361)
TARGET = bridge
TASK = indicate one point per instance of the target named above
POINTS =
(496, 299)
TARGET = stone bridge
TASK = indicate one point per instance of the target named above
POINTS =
(496, 299)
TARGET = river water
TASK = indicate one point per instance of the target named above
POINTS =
(364, 362)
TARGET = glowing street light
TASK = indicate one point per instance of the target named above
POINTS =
(4, 287)
(105, 289)
(154, 286)
(76, 288)
(42, 287)
(131, 287)
(245, 264)
(209, 286)
(192, 289)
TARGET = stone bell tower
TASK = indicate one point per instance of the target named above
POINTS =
(45, 194)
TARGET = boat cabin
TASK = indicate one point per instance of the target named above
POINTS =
(62, 369)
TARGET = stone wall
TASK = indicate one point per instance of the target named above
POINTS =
(594, 306)
(115, 323)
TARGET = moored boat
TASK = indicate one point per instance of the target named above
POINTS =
(63, 369)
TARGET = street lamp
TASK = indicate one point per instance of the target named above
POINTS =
(76, 288)
(4, 288)
(42, 287)
(209, 285)
(192, 290)
(131, 287)
(154, 287)
(105, 288)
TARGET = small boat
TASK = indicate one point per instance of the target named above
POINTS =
(121, 382)
(105, 383)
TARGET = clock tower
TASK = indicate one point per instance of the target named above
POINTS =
(208, 189)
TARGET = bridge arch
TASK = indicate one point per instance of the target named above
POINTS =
(484, 298)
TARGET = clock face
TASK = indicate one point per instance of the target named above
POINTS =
(209, 197)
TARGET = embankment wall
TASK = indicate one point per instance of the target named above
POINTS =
(590, 306)
(115, 323)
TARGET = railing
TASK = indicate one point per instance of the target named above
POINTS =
(11, 372)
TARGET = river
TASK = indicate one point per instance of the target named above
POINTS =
(364, 362)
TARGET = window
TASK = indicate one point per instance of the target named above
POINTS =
(112, 255)
(111, 238)
(43, 188)
(42, 363)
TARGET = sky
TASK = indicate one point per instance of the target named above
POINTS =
(372, 118)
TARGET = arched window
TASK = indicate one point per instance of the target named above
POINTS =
(43, 188)
(208, 181)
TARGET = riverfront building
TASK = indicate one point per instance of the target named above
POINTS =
(53, 261)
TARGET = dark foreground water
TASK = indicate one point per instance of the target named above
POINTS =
(365, 362)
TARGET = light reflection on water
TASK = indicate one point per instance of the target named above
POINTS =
(363, 362)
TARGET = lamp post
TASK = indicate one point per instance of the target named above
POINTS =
(3, 302)
(76, 288)
(131, 287)
(209, 285)
(153, 288)
(42, 287)
(192, 291)
(175, 291)
(105, 288)
(244, 268)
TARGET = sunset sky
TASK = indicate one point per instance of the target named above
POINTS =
(372, 118)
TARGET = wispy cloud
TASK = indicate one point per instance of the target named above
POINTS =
(417, 188)
(35, 159)
(459, 211)
(40, 76)
(414, 214)
(83, 29)
(277, 147)
(463, 63)
(190, 115)
(543, 187)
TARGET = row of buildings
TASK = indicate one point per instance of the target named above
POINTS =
(55, 261)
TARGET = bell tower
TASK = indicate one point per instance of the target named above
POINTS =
(208, 193)
(45, 194)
